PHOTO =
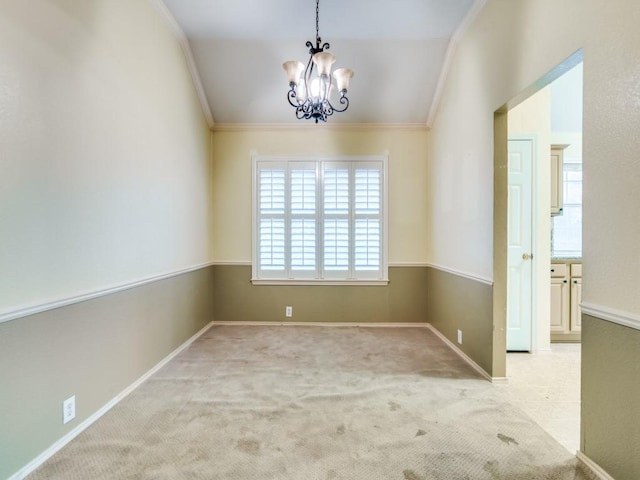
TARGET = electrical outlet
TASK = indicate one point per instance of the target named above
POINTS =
(288, 311)
(460, 337)
(69, 409)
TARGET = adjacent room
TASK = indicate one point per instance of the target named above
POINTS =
(276, 239)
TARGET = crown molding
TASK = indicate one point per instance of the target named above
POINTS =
(170, 20)
(242, 127)
(448, 58)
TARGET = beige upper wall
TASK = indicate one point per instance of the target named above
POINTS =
(510, 46)
(488, 70)
(105, 163)
(407, 171)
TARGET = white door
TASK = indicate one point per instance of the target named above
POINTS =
(519, 235)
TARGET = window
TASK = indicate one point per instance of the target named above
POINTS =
(567, 228)
(319, 220)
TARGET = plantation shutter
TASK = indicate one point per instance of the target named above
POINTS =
(368, 220)
(271, 220)
(336, 233)
(303, 181)
(320, 220)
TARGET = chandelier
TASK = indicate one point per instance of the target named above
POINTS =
(310, 88)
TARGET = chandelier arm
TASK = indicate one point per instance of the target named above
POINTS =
(343, 101)
(292, 96)
(328, 109)
(305, 110)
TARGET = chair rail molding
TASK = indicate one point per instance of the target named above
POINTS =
(34, 308)
(619, 317)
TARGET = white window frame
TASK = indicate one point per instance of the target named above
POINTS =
(318, 277)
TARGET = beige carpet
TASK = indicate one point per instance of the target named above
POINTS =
(314, 403)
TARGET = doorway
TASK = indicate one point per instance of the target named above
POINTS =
(534, 122)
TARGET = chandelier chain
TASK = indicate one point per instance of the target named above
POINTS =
(318, 20)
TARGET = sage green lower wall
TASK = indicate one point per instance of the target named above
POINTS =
(404, 299)
(610, 415)
(93, 350)
(456, 302)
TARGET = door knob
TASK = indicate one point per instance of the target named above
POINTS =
(527, 256)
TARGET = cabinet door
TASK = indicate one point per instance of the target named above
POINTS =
(576, 311)
(559, 270)
(559, 305)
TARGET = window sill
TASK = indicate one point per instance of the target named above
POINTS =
(358, 283)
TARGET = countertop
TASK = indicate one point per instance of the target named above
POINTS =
(566, 259)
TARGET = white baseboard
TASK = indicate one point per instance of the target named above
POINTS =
(325, 324)
(466, 358)
(593, 467)
(49, 452)
(500, 380)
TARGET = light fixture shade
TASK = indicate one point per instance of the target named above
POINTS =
(293, 68)
(324, 60)
(342, 76)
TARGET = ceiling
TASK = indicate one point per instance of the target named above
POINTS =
(397, 50)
